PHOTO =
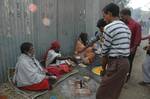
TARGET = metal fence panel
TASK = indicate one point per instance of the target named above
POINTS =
(70, 23)
(46, 32)
(13, 32)
(54, 19)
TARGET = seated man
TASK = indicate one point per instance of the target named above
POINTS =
(29, 75)
(53, 58)
(53, 55)
(81, 49)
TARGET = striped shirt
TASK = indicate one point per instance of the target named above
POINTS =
(116, 39)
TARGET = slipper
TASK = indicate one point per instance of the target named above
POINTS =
(142, 83)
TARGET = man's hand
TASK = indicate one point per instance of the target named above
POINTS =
(133, 49)
(145, 47)
(104, 62)
(103, 72)
(45, 70)
(53, 77)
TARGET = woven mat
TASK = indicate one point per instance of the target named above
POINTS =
(13, 92)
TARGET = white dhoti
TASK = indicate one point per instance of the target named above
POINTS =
(146, 69)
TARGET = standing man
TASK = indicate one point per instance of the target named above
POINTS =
(135, 28)
(115, 51)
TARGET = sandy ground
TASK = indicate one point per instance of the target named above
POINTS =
(131, 90)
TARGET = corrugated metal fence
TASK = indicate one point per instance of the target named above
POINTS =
(40, 22)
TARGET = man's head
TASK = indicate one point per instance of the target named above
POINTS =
(55, 45)
(110, 12)
(27, 48)
(101, 24)
(125, 14)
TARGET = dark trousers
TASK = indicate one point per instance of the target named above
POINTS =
(131, 58)
(114, 79)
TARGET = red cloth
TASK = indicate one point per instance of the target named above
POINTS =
(55, 70)
(59, 70)
(54, 45)
(136, 33)
(66, 68)
(43, 85)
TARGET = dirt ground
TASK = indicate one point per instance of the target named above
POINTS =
(131, 90)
